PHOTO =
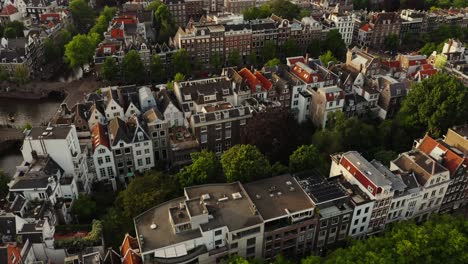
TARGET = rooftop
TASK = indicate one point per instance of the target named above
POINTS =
(321, 190)
(420, 164)
(441, 153)
(366, 168)
(278, 196)
(60, 132)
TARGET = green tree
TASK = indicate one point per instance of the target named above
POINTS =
(360, 4)
(21, 74)
(180, 62)
(179, 77)
(164, 23)
(428, 48)
(51, 51)
(133, 68)
(315, 48)
(252, 58)
(157, 70)
(205, 168)
(273, 62)
(4, 76)
(306, 157)
(335, 44)
(109, 69)
(268, 51)
(84, 208)
(392, 42)
(14, 29)
(385, 156)
(284, 9)
(215, 61)
(252, 13)
(82, 14)
(79, 51)
(144, 192)
(327, 58)
(153, 6)
(244, 163)
(435, 104)
(311, 260)
(290, 48)
(278, 169)
(234, 58)
(4, 189)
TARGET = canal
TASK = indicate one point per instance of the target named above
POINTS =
(34, 112)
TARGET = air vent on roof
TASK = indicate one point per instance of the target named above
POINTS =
(279, 193)
(153, 226)
(288, 183)
(236, 196)
(49, 128)
(182, 205)
(258, 196)
(205, 196)
(45, 133)
(292, 189)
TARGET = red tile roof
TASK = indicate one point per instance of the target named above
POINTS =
(294, 60)
(8, 10)
(266, 84)
(127, 251)
(417, 62)
(306, 74)
(366, 27)
(13, 250)
(50, 16)
(117, 33)
(125, 20)
(331, 96)
(451, 160)
(427, 67)
(250, 78)
(99, 136)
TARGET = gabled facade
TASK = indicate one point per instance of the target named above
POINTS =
(103, 158)
(325, 101)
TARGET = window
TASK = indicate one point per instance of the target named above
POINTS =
(364, 219)
(120, 165)
(234, 245)
(218, 148)
(354, 231)
(203, 138)
(102, 171)
(343, 227)
(345, 218)
(335, 220)
(361, 229)
(138, 152)
(227, 125)
(218, 232)
(324, 223)
(366, 210)
(162, 133)
(110, 171)
(218, 126)
(242, 122)
(147, 151)
(228, 134)
(99, 160)
(148, 161)
(441, 191)
(251, 241)
(323, 233)
(127, 151)
(359, 212)
(108, 159)
(356, 221)
(250, 251)
(218, 242)
(140, 162)
(203, 129)
(425, 195)
(433, 193)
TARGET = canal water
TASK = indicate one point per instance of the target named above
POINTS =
(34, 112)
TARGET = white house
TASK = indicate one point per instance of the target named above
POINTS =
(142, 146)
(170, 109)
(102, 154)
(344, 23)
(62, 145)
(112, 105)
(146, 98)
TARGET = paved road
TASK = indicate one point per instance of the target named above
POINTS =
(7, 134)
(76, 93)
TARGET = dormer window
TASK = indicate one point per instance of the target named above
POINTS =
(225, 91)
(187, 97)
(202, 118)
(218, 116)
(140, 136)
(226, 114)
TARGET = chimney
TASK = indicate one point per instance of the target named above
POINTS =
(307, 58)
(433, 167)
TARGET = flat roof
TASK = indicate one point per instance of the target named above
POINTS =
(50, 132)
(163, 235)
(321, 190)
(234, 213)
(273, 196)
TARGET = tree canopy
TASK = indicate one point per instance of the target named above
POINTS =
(133, 70)
(335, 44)
(234, 58)
(328, 57)
(144, 192)
(205, 168)
(83, 15)
(109, 69)
(392, 42)
(103, 20)
(157, 70)
(244, 163)
(21, 74)
(79, 50)
(181, 62)
(84, 208)
(268, 51)
(435, 104)
(306, 157)
(164, 23)
(273, 62)
(13, 29)
(279, 135)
